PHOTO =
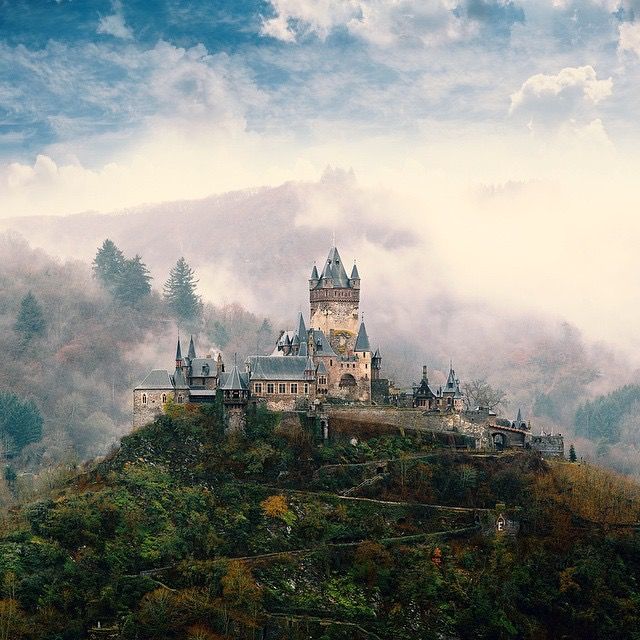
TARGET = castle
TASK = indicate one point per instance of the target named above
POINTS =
(329, 360)
(330, 363)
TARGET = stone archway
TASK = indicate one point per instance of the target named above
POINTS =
(347, 380)
(499, 441)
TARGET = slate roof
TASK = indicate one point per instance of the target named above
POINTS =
(334, 271)
(179, 380)
(302, 329)
(303, 350)
(178, 351)
(271, 368)
(198, 363)
(362, 341)
(156, 379)
(314, 273)
(234, 380)
(322, 345)
(192, 349)
(322, 370)
(354, 273)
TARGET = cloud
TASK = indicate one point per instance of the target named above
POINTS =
(552, 100)
(387, 22)
(114, 24)
(629, 37)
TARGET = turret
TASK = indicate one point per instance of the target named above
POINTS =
(192, 350)
(376, 365)
(362, 341)
(309, 370)
(354, 278)
(313, 280)
(178, 356)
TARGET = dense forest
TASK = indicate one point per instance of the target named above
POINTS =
(186, 533)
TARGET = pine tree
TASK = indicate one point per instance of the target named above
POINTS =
(180, 291)
(108, 264)
(20, 421)
(133, 282)
(572, 454)
(30, 321)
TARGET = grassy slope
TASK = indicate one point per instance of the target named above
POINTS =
(183, 533)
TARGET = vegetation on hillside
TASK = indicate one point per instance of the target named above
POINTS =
(73, 348)
(184, 533)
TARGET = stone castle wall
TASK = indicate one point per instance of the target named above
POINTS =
(335, 313)
(411, 419)
(146, 413)
(359, 368)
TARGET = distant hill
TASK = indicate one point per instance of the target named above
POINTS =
(256, 247)
(184, 533)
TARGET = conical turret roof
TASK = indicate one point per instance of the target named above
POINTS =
(192, 349)
(234, 381)
(354, 273)
(178, 351)
(362, 341)
(314, 273)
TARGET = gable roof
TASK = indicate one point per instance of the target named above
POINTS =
(158, 379)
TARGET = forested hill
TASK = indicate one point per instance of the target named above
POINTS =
(184, 533)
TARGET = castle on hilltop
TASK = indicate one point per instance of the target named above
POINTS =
(331, 360)
(326, 369)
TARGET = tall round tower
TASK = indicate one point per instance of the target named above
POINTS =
(335, 299)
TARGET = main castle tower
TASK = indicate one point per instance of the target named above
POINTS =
(335, 303)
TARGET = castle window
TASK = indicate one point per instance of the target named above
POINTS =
(270, 387)
(180, 397)
(306, 388)
(144, 398)
(331, 363)
(294, 388)
(282, 388)
(257, 387)
(164, 398)
(366, 366)
(322, 380)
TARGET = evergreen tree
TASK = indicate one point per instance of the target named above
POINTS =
(572, 454)
(20, 421)
(30, 321)
(133, 282)
(108, 264)
(180, 291)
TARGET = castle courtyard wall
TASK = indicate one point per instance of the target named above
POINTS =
(411, 419)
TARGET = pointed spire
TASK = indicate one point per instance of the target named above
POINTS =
(309, 369)
(519, 417)
(354, 272)
(178, 354)
(362, 341)
(302, 329)
(334, 270)
(192, 349)
(314, 272)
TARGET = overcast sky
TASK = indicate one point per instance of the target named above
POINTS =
(507, 131)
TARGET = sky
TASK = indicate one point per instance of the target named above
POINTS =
(505, 132)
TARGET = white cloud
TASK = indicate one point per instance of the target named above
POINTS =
(380, 22)
(565, 101)
(114, 24)
(629, 37)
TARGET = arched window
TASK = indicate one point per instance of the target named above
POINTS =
(144, 398)
(164, 398)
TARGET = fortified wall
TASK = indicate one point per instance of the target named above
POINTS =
(384, 418)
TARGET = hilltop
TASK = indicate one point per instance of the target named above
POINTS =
(183, 533)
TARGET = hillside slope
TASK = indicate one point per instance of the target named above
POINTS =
(186, 534)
